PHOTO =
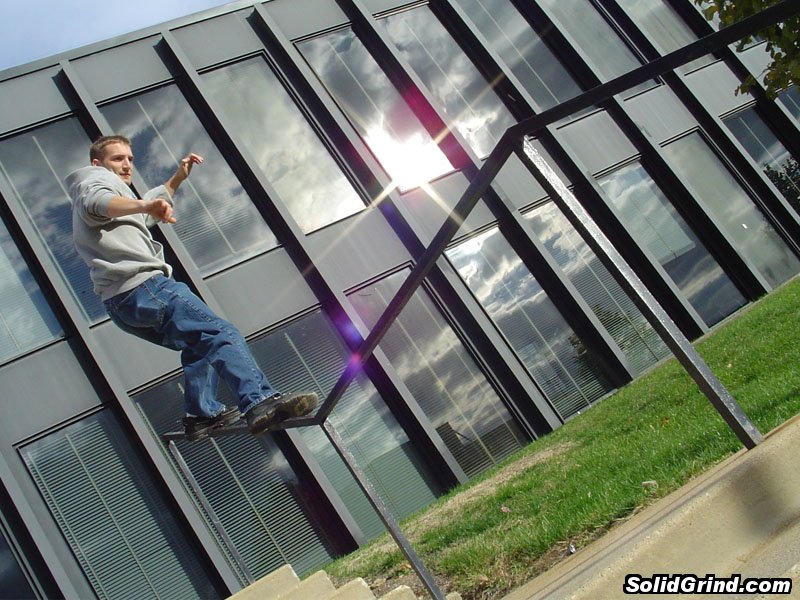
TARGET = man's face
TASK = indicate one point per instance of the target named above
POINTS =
(118, 159)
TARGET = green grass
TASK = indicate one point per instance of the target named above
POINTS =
(503, 528)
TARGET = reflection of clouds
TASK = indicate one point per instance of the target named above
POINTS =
(434, 365)
(462, 93)
(25, 319)
(217, 222)
(301, 171)
(647, 213)
(655, 224)
(723, 197)
(507, 31)
(529, 320)
(558, 235)
(594, 36)
(369, 99)
(612, 306)
(36, 165)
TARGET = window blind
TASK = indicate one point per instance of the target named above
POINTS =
(611, 305)
(554, 355)
(118, 527)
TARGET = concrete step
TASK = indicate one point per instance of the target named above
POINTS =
(402, 592)
(284, 584)
(270, 587)
(357, 589)
(317, 585)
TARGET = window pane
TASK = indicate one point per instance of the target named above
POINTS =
(790, 98)
(521, 48)
(308, 354)
(611, 305)
(217, 222)
(457, 87)
(765, 149)
(655, 224)
(35, 165)
(667, 30)
(295, 162)
(556, 358)
(13, 583)
(375, 108)
(119, 528)
(444, 379)
(594, 36)
(751, 233)
(26, 320)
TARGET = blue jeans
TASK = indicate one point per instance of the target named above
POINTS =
(166, 312)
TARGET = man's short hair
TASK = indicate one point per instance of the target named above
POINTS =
(96, 151)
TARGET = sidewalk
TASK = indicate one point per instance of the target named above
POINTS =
(741, 517)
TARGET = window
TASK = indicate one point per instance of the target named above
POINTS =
(375, 108)
(444, 379)
(217, 222)
(611, 305)
(268, 511)
(592, 34)
(765, 149)
(297, 165)
(532, 62)
(35, 165)
(26, 321)
(667, 30)
(554, 355)
(119, 528)
(14, 583)
(459, 90)
(655, 224)
(308, 354)
(790, 98)
(264, 508)
(716, 188)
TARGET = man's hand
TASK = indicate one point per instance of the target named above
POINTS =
(186, 165)
(183, 171)
(160, 210)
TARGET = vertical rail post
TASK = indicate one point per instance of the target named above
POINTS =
(383, 511)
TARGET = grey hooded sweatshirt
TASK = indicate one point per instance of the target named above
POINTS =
(120, 251)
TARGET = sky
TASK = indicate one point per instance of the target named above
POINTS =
(33, 29)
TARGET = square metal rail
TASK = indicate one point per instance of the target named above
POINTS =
(517, 140)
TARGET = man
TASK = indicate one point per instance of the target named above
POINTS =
(111, 232)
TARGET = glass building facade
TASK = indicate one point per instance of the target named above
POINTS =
(337, 137)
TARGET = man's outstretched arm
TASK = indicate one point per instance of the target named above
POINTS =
(158, 208)
(183, 171)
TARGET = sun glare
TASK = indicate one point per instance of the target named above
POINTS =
(411, 162)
